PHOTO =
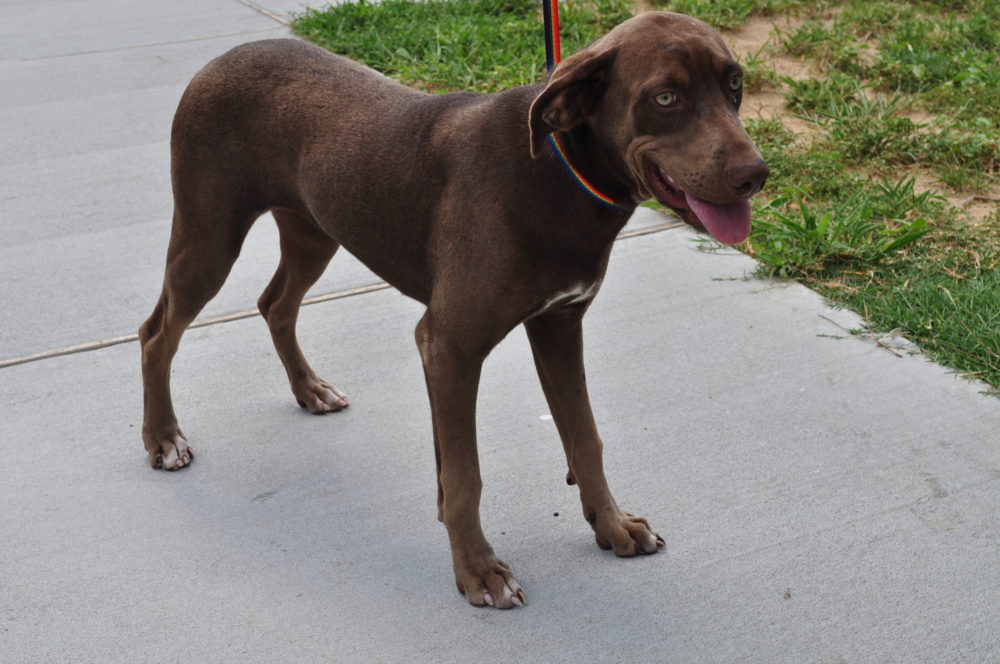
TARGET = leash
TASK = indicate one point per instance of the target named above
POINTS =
(550, 12)
(553, 55)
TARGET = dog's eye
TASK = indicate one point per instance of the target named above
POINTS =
(666, 99)
(735, 83)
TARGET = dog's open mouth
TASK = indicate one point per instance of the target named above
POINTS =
(727, 223)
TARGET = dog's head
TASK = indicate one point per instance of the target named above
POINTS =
(661, 94)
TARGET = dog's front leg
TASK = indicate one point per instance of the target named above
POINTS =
(452, 367)
(557, 344)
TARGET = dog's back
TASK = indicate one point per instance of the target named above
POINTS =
(284, 124)
(259, 110)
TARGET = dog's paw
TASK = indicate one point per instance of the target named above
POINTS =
(626, 534)
(319, 396)
(170, 452)
(489, 582)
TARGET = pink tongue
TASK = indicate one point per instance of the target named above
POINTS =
(729, 224)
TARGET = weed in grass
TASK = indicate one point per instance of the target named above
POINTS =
(971, 96)
(962, 159)
(807, 39)
(819, 172)
(951, 59)
(758, 75)
(814, 99)
(920, 54)
(769, 132)
(869, 19)
(901, 201)
(878, 136)
(795, 237)
(832, 48)
(872, 131)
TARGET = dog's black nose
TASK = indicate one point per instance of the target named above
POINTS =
(748, 178)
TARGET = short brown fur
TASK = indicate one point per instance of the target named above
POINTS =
(457, 201)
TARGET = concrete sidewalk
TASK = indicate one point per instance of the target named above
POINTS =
(824, 500)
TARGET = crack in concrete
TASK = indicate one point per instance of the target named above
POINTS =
(251, 313)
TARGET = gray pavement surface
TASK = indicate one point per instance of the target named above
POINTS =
(824, 499)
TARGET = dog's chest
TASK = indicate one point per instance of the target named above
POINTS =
(578, 294)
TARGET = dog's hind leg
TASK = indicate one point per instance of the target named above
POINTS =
(305, 253)
(204, 244)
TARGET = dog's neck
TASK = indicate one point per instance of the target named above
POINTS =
(581, 158)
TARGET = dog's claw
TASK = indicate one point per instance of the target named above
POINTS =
(319, 396)
(628, 535)
(490, 583)
(173, 454)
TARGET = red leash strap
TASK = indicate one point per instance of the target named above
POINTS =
(553, 51)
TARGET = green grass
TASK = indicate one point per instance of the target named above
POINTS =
(801, 237)
(943, 296)
(873, 129)
(917, 267)
(479, 45)
(906, 93)
(948, 53)
(758, 75)
(724, 14)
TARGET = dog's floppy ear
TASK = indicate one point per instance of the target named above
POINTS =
(570, 95)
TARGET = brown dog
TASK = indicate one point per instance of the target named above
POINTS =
(459, 202)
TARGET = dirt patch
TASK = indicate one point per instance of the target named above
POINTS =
(771, 104)
(918, 116)
(761, 36)
(758, 32)
(979, 208)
